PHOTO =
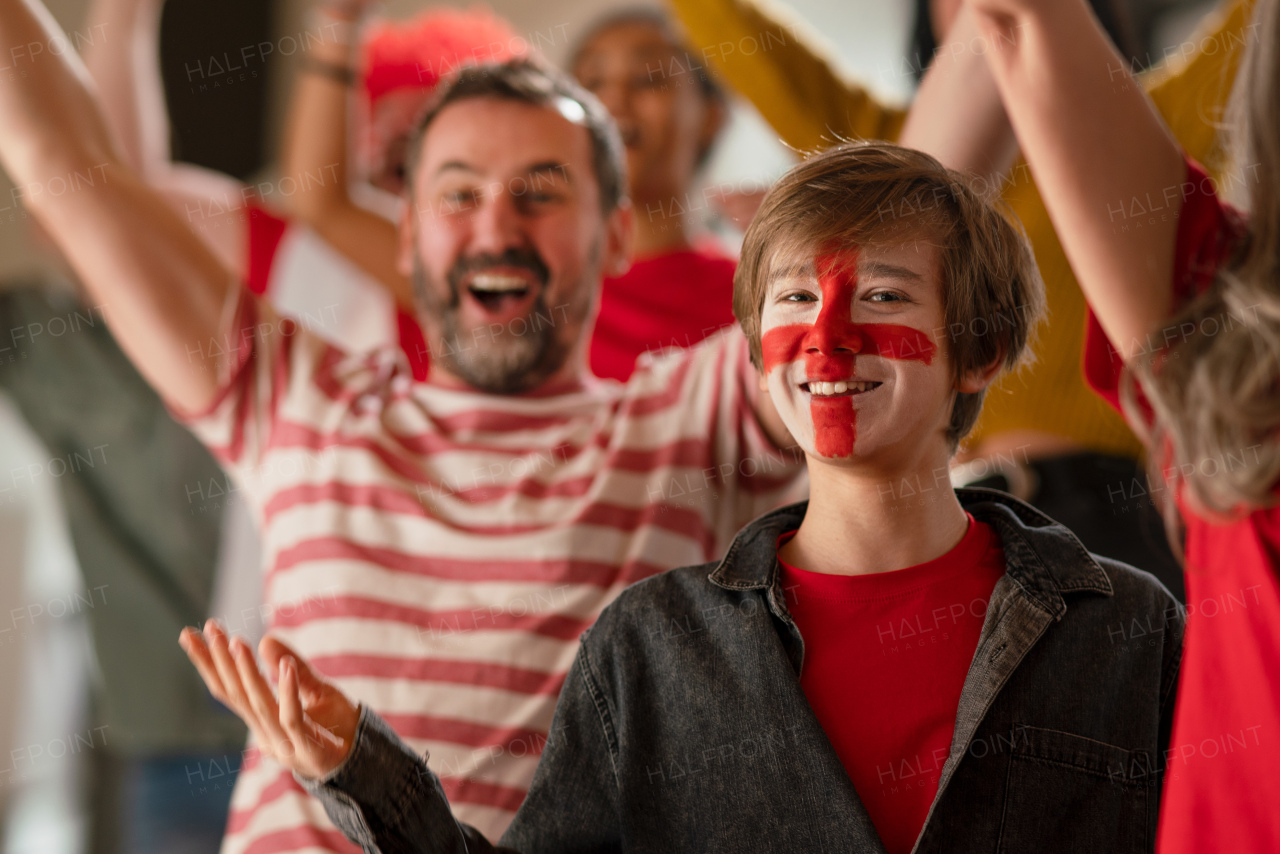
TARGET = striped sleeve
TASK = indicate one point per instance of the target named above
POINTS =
(268, 354)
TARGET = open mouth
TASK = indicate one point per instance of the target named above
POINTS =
(846, 388)
(493, 290)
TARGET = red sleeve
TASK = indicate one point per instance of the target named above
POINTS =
(413, 343)
(1207, 231)
(670, 300)
(266, 230)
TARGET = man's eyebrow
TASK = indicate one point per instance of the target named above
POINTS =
(888, 271)
(452, 165)
(550, 166)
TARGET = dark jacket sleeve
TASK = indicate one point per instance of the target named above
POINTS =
(1176, 623)
(386, 800)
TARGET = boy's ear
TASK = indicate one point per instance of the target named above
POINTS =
(976, 380)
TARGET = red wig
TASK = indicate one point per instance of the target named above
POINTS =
(419, 52)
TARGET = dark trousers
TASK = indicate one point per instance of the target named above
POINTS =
(169, 805)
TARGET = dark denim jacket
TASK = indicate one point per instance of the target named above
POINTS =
(682, 725)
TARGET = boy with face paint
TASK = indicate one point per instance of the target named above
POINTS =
(891, 666)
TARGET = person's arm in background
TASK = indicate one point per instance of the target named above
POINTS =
(1093, 141)
(125, 65)
(163, 291)
(316, 143)
(793, 84)
(957, 115)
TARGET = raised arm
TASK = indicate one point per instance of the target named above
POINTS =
(316, 144)
(787, 77)
(125, 64)
(162, 289)
(957, 115)
(1097, 148)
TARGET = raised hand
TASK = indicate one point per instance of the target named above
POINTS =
(1092, 137)
(308, 729)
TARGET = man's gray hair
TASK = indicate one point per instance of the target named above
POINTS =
(532, 82)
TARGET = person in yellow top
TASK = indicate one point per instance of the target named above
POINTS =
(1043, 434)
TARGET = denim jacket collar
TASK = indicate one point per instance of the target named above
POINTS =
(1043, 557)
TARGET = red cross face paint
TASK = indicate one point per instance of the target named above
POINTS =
(822, 353)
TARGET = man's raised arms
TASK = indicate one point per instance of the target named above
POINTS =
(161, 288)
(1095, 144)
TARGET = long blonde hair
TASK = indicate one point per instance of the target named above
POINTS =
(1216, 393)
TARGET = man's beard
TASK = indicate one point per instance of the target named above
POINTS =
(512, 360)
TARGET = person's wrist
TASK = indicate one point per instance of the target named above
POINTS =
(343, 11)
(348, 729)
(337, 70)
(356, 743)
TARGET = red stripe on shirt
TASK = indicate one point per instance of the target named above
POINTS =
(393, 499)
(564, 571)
(465, 733)
(461, 790)
(478, 673)
(435, 624)
(296, 838)
(283, 784)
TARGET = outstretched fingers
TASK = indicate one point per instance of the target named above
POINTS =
(192, 643)
(229, 669)
(261, 701)
(311, 686)
(228, 673)
(319, 749)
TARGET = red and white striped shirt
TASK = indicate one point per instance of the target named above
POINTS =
(437, 552)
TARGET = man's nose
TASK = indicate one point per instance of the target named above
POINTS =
(496, 221)
(616, 97)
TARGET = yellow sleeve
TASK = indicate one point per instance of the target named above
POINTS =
(769, 56)
(1190, 86)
